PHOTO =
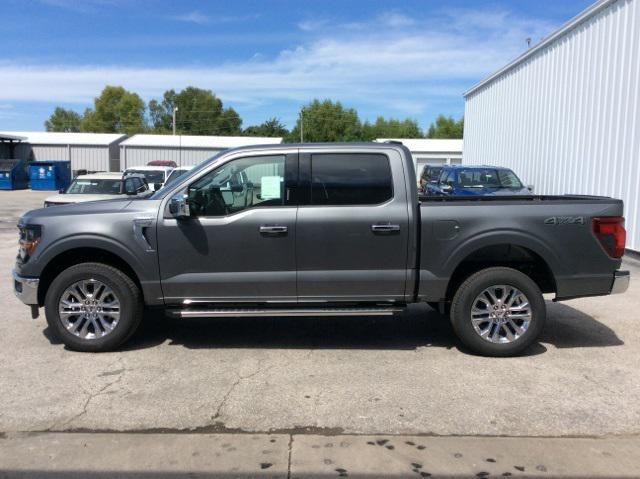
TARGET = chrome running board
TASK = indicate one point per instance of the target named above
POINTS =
(235, 313)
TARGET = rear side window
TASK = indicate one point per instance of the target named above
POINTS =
(350, 179)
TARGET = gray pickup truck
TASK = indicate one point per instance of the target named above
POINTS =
(316, 230)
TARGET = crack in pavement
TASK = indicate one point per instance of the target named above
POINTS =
(240, 378)
(289, 459)
(90, 397)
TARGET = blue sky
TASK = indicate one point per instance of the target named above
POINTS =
(401, 59)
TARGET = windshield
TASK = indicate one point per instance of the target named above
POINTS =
(431, 173)
(152, 176)
(164, 191)
(175, 174)
(487, 178)
(95, 187)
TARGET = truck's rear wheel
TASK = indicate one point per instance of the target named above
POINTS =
(498, 312)
(93, 307)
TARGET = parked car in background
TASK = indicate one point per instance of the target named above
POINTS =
(169, 163)
(461, 180)
(429, 174)
(99, 186)
(177, 173)
(156, 176)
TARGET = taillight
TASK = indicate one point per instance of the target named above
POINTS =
(611, 234)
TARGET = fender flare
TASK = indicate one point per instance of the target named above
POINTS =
(499, 237)
(66, 244)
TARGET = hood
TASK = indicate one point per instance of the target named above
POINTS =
(77, 209)
(66, 199)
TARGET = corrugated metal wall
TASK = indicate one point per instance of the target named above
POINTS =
(83, 157)
(141, 155)
(567, 119)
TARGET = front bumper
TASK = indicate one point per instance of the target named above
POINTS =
(620, 282)
(26, 289)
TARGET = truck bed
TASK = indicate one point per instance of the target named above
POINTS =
(553, 234)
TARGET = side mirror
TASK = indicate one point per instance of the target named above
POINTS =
(237, 188)
(446, 188)
(157, 186)
(179, 206)
(130, 186)
(61, 191)
(530, 188)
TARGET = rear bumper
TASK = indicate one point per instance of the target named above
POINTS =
(26, 289)
(620, 282)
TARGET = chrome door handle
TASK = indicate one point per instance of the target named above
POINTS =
(273, 230)
(388, 228)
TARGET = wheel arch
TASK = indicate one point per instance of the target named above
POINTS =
(512, 255)
(78, 255)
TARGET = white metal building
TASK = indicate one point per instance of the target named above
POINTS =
(86, 151)
(565, 115)
(431, 151)
(183, 149)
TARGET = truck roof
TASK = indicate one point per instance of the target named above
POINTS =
(150, 168)
(323, 145)
(100, 176)
(471, 167)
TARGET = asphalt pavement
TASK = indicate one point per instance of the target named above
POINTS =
(321, 377)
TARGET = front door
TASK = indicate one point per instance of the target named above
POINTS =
(238, 245)
(353, 227)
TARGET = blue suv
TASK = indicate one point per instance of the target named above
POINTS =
(462, 180)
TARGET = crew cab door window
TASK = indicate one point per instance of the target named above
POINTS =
(350, 179)
(248, 182)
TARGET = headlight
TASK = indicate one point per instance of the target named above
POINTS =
(29, 238)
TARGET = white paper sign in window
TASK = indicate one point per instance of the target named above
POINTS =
(270, 187)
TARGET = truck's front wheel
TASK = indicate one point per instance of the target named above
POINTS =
(93, 307)
(498, 312)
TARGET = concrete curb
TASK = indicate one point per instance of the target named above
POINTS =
(115, 455)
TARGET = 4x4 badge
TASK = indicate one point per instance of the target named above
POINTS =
(565, 220)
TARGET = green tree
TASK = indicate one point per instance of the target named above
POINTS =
(63, 120)
(200, 112)
(160, 113)
(446, 127)
(391, 128)
(116, 110)
(272, 127)
(327, 121)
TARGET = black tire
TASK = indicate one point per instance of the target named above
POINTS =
(130, 298)
(468, 292)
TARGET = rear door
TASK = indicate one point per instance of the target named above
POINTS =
(352, 227)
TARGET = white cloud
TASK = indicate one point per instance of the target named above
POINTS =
(404, 69)
(396, 20)
(193, 17)
(84, 6)
(202, 19)
(312, 25)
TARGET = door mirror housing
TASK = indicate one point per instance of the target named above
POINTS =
(530, 188)
(157, 186)
(446, 188)
(131, 186)
(179, 206)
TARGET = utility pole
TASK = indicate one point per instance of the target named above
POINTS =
(175, 109)
(301, 126)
